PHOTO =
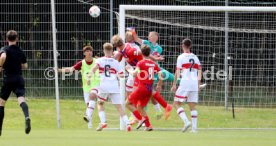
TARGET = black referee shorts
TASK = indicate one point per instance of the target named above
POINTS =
(13, 84)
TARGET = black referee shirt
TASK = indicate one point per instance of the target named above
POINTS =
(15, 57)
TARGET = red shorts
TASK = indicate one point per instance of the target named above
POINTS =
(140, 96)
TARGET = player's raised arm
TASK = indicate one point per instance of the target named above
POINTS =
(136, 38)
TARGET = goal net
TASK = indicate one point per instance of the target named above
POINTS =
(236, 46)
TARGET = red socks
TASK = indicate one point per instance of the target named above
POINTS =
(160, 99)
(137, 115)
(147, 122)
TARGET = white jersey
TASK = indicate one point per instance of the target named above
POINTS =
(189, 65)
(134, 45)
(108, 69)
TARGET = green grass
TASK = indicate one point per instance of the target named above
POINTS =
(43, 114)
(74, 131)
(63, 137)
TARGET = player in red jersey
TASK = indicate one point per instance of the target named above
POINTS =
(132, 55)
(145, 70)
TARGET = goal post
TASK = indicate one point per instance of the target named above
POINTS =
(244, 23)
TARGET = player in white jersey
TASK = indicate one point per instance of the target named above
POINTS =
(188, 65)
(109, 70)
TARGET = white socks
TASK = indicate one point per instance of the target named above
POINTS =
(102, 116)
(125, 119)
(157, 107)
(181, 113)
(90, 109)
(194, 119)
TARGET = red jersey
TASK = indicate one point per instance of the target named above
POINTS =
(131, 54)
(147, 70)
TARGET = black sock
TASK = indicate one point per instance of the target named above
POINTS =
(2, 113)
(25, 109)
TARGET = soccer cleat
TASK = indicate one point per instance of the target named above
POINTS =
(27, 125)
(133, 121)
(148, 128)
(89, 125)
(186, 127)
(159, 115)
(101, 126)
(86, 119)
(139, 125)
(168, 111)
(128, 127)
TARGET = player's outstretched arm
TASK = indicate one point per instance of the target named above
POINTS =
(176, 76)
(66, 69)
(130, 70)
(156, 58)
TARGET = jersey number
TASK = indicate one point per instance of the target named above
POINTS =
(151, 75)
(106, 70)
(192, 61)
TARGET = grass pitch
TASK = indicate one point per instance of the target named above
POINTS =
(74, 131)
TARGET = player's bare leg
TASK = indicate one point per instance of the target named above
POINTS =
(101, 110)
(90, 108)
(194, 115)
(181, 113)
(2, 113)
(168, 108)
(25, 109)
(123, 115)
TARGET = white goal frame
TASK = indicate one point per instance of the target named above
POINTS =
(226, 9)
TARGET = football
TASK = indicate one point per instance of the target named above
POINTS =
(94, 11)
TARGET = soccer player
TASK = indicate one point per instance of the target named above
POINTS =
(188, 65)
(13, 60)
(131, 52)
(109, 70)
(132, 56)
(85, 66)
(156, 55)
(145, 71)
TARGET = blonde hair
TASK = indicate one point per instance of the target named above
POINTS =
(108, 47)
(117, 41)
(129, 37)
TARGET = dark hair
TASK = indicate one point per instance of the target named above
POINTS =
(12, 35)
(145, 50)
(187, 43)
(85, 48)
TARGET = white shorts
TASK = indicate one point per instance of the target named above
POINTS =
(114, 97)
(186, 96)
(130, 83)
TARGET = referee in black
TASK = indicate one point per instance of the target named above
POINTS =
(12, 60)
